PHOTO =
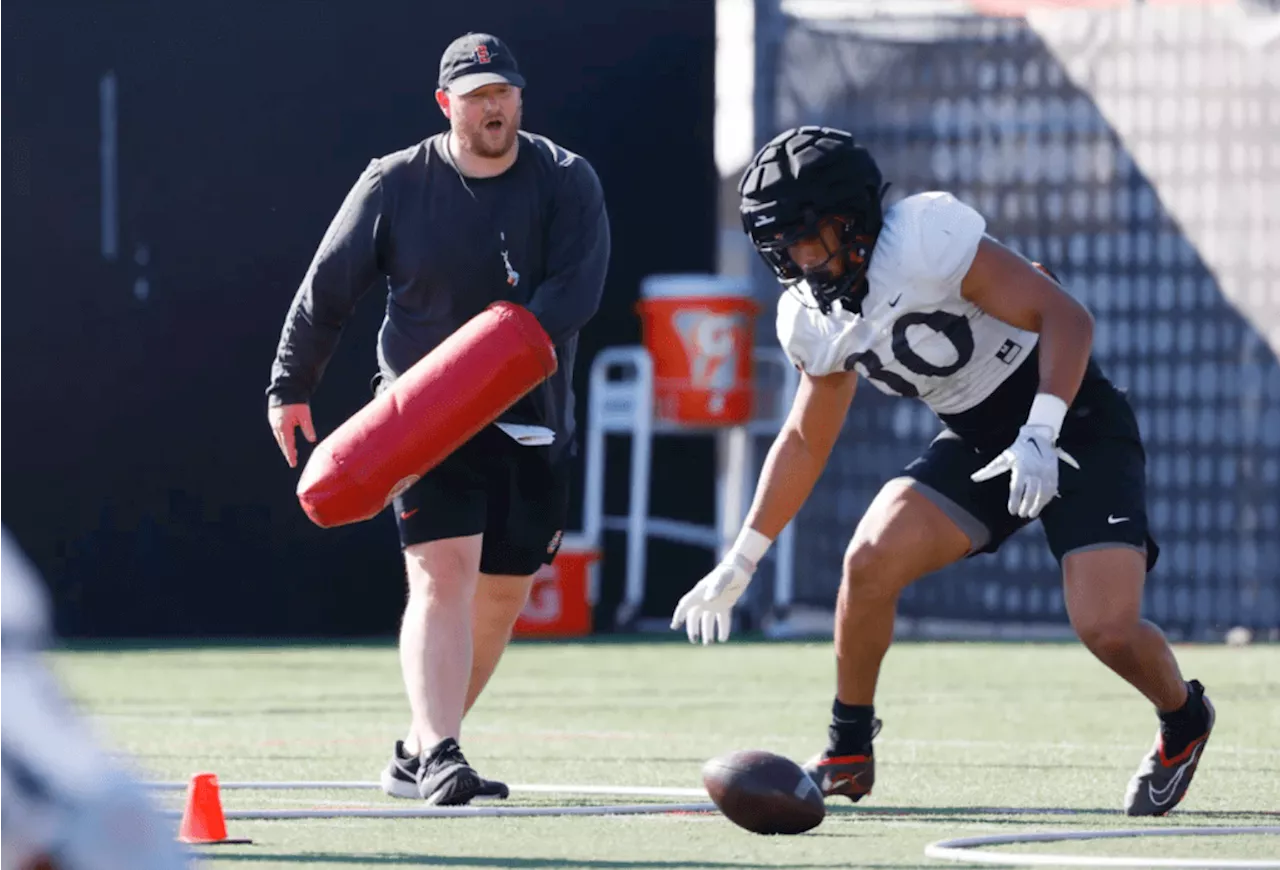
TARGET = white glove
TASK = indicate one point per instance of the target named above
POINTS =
(706, 609)
(1032, 460)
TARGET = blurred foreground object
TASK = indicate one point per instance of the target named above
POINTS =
(64, 804)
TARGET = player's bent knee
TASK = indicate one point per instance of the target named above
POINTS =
(1105, 636)
(871, 571)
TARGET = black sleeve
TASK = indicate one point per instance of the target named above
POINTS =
(345, 267)
(578, 257)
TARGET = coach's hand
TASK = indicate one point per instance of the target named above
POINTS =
(1032, 461)
(706, 609)
(284, 419)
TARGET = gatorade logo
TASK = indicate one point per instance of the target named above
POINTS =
(712, 343)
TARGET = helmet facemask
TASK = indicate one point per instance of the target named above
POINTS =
(849, 287)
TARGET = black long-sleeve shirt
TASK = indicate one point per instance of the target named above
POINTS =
(445, 246)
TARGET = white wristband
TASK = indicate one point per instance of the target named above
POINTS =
(751, 546)
(1048, 410)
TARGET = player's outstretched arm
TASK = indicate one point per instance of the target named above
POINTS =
(794, 463)
(1008, 287)
(801, 450)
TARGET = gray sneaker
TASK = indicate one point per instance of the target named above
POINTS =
(440, 777)
(1161, 782)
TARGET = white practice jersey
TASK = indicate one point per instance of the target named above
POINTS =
(917, 336)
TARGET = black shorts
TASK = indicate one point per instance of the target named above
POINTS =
(1103, 504)
(512, 494)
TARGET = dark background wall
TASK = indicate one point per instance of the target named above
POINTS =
(138, 470)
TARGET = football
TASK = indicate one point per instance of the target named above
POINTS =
(764, 792)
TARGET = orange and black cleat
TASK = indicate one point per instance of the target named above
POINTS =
(849, 775)
(1162, 781)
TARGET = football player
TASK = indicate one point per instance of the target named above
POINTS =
(921, 302)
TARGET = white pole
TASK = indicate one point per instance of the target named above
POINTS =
(731, 483)
(638, 515)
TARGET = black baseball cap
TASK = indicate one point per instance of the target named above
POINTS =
(476, 60)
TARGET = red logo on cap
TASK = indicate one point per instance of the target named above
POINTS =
(482, 54)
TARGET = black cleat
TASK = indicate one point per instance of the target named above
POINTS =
(441, 777)
(1161, 782)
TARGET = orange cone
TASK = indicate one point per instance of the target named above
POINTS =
(202, 820)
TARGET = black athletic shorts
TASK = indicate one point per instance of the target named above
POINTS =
(512, 494)
(1102, 505)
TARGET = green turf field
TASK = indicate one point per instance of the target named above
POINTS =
(969, 728)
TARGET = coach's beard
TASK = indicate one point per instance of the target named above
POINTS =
(480, 141)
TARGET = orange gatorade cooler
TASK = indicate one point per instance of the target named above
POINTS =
(559, 604)
(699, 329)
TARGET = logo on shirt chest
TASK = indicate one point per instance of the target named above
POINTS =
(1008, 351)
(513, 277)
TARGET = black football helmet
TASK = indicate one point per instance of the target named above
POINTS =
(800, 178)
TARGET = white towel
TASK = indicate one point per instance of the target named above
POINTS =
(529, 436)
